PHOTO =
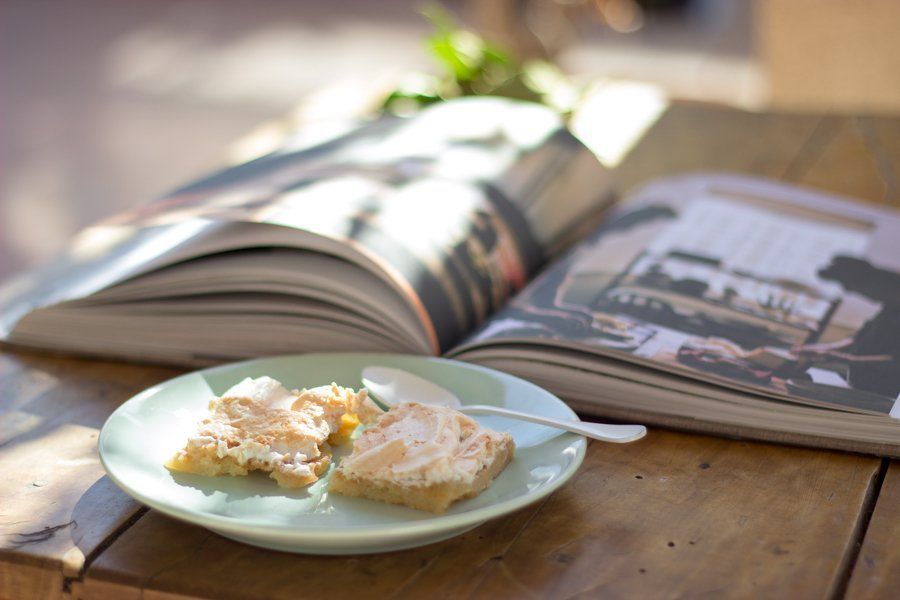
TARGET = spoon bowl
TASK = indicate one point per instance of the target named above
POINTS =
(391, 386)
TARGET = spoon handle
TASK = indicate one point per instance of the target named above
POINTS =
(599, 431)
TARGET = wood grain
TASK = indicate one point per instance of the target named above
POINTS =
(57, 505)
(877, 570)
(696, 137)
(853, 156)
(862, 158)
(688, 516)
(695, 514)
(159, 554)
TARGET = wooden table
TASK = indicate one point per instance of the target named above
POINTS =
(672, 515)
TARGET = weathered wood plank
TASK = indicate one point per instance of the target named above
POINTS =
(690, 515)
(855, 156)
(874, 143)
(876, 573)
(159, 554)
(56, 505)
(22, 580)
(690, 137)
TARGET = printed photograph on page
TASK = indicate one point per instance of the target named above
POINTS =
(729, 289)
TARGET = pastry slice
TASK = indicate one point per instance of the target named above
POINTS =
(260, 425)
(424, 457)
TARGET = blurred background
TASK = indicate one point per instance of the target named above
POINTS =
(107, 104)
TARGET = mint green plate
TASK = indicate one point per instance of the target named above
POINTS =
(145, 431)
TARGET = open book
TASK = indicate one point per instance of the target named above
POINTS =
(482, 230)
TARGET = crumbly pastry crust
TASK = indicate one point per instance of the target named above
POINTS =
(423, 457)
(259, 425)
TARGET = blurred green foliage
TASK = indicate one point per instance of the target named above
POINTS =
(473, 66)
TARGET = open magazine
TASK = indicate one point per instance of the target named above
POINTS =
(482, 230)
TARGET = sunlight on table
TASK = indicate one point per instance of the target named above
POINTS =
(615, 115)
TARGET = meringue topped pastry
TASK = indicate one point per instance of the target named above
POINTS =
(424, 457)
(260, 425)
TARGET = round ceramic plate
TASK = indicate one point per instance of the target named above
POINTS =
(148, 429)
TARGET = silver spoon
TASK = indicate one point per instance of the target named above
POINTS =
(392, 386)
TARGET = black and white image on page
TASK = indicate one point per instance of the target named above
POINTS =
(789, 299)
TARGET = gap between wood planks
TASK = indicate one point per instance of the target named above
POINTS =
(102, 546)
(822, 135)
(851, 555)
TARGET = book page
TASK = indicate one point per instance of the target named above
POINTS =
(757, 288)
(456, 207)
(753, 239)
